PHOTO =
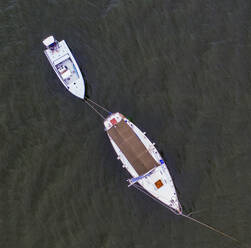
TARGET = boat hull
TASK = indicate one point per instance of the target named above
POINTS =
(66, 68)
(158, 182)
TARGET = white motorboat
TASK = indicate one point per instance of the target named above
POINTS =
(65, 66)
(142, 160)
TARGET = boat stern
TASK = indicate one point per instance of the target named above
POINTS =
(50, 42)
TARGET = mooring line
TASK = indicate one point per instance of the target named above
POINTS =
(90, 103)
(103, 108)
(214, 229)
(192, 219)
(94, 109)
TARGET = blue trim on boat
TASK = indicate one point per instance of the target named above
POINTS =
(75, 69)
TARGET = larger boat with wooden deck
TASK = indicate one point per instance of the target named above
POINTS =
(142, 160)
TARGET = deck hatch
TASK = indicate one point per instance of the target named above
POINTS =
(159, 184)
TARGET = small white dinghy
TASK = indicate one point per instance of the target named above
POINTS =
(65, 66)
(142, 160)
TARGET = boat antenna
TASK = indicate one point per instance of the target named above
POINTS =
(90, 103)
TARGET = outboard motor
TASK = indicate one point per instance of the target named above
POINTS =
(50, 43)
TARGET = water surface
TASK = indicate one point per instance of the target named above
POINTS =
(179, 69)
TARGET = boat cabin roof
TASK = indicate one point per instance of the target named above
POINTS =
(132, 147)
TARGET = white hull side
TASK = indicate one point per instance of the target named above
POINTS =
(166, 193)
(75, 84)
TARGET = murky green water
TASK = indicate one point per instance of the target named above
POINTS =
(180, 69)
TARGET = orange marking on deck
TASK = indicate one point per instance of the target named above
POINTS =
(159, 184)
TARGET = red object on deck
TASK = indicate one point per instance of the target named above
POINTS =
(113, 121)
(159, 184)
